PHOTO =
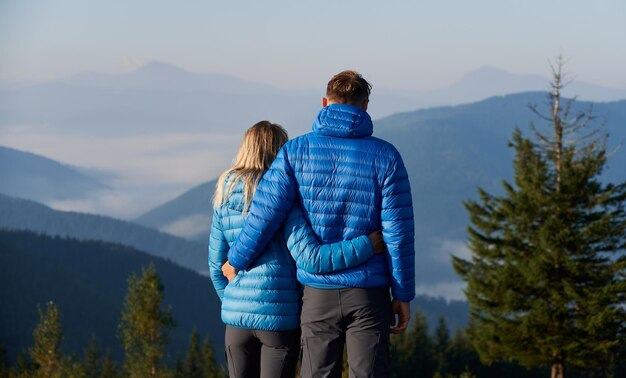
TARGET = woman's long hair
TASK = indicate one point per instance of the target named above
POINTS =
(257, 152)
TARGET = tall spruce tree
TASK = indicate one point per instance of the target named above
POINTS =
(144, 326)
(47, 337)
(546, 281)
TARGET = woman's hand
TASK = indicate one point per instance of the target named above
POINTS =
(376, 238)
(229, 271)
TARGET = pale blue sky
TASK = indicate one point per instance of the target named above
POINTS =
(416, 45)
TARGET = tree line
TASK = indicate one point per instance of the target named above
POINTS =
(142, 333)
(144, 327)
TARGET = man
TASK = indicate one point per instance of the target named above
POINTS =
(348, 183)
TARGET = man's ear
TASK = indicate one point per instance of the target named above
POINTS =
(365, 103)
(324, 102)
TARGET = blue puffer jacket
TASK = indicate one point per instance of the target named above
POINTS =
(348, 184)
(266, 295)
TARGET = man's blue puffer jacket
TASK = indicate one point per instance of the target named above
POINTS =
(266, 295)
(348, 184)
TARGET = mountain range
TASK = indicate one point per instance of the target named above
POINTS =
(21, 214)
(188, 215)
(449, 152)
(32, 176)
(159, 96)
(160, 76)
(487, 82)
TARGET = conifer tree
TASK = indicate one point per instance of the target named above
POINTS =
(546, 281)
(441, 345)
(46, 351)
(144, 326)
(91, 360)
(209, 365)
(411, 352)
(72, 368)
(23, 366)
(179, 368)
(109, 368)
(462, 358)
(193, 361)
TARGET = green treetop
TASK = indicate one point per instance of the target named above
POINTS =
(144, 326)
(47, 336)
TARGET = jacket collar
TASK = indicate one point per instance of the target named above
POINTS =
(342, 120)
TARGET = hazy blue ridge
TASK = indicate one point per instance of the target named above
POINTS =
(191, 212)
(77, 110)
(456, 312)
(88, 282)
(164, 76)
(27, 175)
(28, 215)
(161, 97)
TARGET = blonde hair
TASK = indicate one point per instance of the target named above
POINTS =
(258, 150)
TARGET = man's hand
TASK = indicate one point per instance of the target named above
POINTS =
(376, 238)
(403, 311)
(229, 271)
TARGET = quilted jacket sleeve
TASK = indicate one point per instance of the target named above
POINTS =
(313, 257)
(399, 230)
(270, 205)
(218, 249)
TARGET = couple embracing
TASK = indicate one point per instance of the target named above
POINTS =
(308, 239)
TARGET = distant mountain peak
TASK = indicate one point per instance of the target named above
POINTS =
(160, 67)
(488, 70)
(486, 74)
(163, 76)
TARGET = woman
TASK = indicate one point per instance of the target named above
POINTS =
(261, 305)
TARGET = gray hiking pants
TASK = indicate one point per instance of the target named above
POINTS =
(265, 354)
(360, 318)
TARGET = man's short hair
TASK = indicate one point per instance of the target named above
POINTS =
(348, 87)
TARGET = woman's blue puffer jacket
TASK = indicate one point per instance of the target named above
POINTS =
(348, 183)
(266, 295)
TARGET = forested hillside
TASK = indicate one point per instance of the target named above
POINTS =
(88, 280)
(28, 215)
